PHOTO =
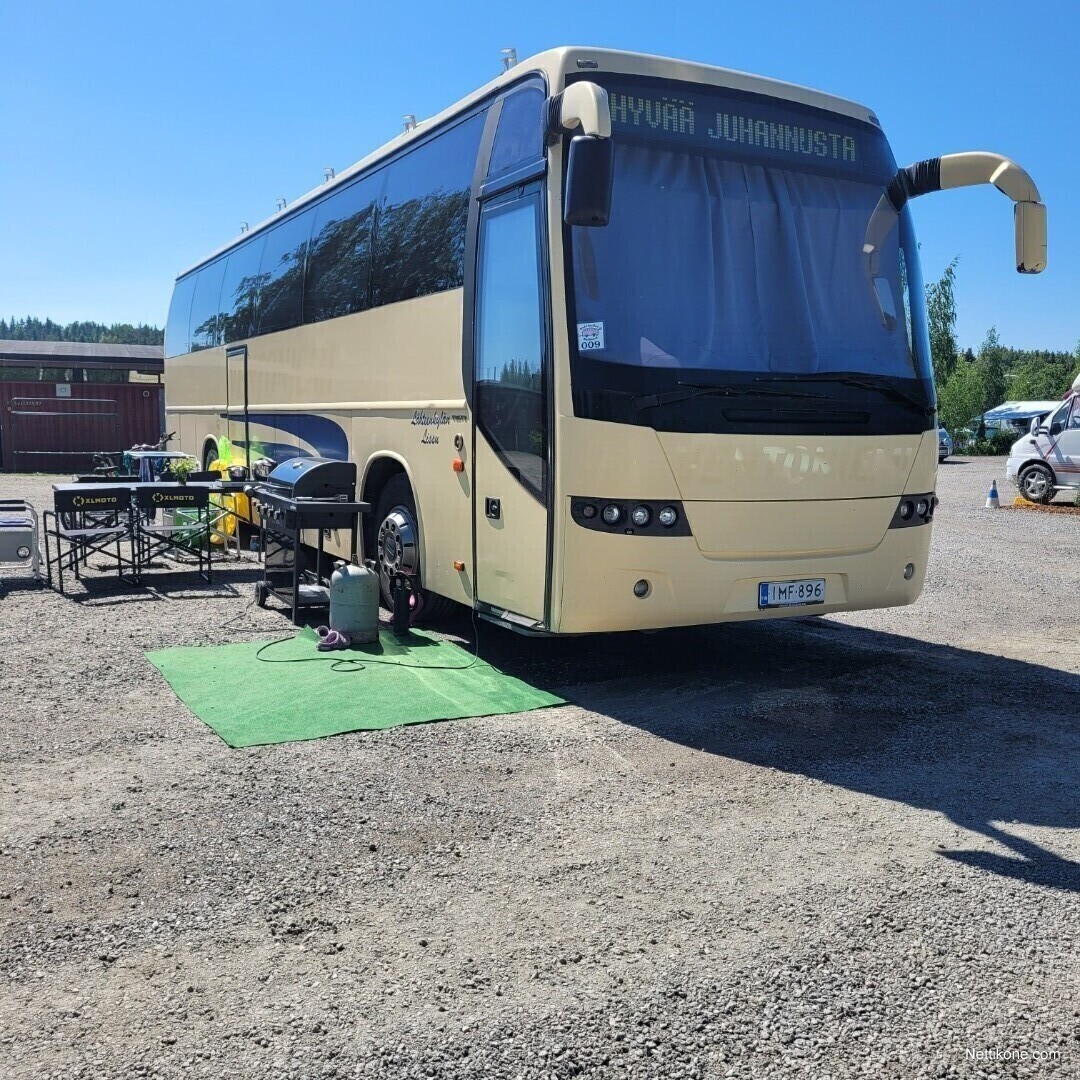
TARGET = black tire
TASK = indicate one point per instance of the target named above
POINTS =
(210, 453)
(1036, 483)
(397, 502)
(260, 593)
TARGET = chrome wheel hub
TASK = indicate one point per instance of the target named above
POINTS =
(1035, 484)
(399, 551)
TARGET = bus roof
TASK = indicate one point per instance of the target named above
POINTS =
(555, 65)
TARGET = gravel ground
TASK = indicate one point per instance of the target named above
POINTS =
(832, 847)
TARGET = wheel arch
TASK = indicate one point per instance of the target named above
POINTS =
(380, 469)
(1036, 460)
(209, 441)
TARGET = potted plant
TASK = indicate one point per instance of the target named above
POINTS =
(182, 468)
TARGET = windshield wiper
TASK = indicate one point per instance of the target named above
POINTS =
(867, 382)
(693, 390)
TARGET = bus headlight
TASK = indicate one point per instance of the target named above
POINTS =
(621, 516)
(914, 510)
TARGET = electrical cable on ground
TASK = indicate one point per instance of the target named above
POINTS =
(358, 664)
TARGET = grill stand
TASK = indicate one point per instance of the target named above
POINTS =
(303, 495)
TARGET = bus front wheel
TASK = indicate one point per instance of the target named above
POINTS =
(397, 546)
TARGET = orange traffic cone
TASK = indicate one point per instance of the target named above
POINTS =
(992, 502)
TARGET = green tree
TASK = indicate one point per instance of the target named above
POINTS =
(962, 399)
(991, 361)
(1040, 375)
(941, 318)
(31, 328)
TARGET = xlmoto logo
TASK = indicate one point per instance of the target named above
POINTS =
(94, 500)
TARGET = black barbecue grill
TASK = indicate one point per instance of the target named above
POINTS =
(300, 503)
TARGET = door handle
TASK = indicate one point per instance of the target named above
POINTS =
(493, 508)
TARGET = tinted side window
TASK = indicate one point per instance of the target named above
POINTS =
(281, 274)
(240, 290)
(339, 262)
(204, 306)
(177, 339)
(520, 135)
(420, 234)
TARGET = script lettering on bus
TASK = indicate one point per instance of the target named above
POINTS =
(428, 420)
(786, 138)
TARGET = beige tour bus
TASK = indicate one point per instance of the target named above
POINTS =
(616, 342)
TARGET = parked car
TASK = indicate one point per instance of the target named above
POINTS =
(944, 444)
(1047, 459)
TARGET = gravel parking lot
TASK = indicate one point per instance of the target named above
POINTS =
(828, 847)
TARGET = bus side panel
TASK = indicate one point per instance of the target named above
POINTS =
(384, 382)
(443, 496)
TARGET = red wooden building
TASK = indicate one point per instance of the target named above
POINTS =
(61, 402)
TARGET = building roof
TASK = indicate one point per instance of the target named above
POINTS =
(82, 353)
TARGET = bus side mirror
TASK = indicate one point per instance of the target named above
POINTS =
(965, 170)
(589, 172)
(1029, 219)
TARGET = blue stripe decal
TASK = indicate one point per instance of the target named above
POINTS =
(325, 436)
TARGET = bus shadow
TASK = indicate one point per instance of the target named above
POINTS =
(986, 740)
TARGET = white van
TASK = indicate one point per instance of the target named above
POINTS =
(1047, 460)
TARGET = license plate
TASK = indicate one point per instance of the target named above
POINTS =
(791, 593)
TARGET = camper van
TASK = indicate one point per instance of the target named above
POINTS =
(1047, 459)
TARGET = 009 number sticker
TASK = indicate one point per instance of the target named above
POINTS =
(590, 336)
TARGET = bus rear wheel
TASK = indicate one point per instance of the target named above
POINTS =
(397, 548)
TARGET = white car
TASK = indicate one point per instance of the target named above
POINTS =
(1047, 459)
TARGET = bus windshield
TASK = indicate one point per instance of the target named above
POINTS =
(734, 257)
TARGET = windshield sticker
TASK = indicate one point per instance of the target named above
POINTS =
(590, 336)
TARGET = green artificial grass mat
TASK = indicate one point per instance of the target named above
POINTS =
(258, 693)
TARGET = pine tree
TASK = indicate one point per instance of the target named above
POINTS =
(31, 328)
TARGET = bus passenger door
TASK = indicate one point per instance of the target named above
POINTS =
(236, 401)
(511, 403)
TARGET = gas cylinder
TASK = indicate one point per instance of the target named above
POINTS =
(354, 602)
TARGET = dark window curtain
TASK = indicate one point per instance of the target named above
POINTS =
(712, 263)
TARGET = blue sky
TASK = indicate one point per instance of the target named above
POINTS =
(135, 137)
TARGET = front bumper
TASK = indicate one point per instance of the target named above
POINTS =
(688, 588)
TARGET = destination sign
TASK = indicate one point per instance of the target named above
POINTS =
(747, 126)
